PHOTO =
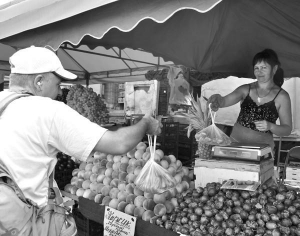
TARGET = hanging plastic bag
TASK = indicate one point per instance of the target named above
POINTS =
(212, 135)
(153, 178)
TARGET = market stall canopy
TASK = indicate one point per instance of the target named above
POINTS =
(206, 35)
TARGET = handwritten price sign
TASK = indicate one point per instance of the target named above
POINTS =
(117, 223)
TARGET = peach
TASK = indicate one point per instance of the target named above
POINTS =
(138, 212)
(122, 176)
(169, 206)
(138, 201)
(130, 178)
(79, 183)
(174, 202)
(100, 155)
(87, 174)
(107, 180)
(185, 185)
(109, 164)
(130, 154)
(172, 158)
(185, 170)
(148, 149)
(173, 192)
(157, 158)
(105, 190)
(122, 196)
(96, 161)
(114, 183)
(67, 187)
(130, 169)
(86, 184)
(167, 195)
(147, 215)
(159, 198)
(148, 195)
(148, 204)
(130, 188)
(160, 209)
(98, 198)
(99, 186)
(174, 166)
(115, 174)
(172, 170)
(132, 161)
(129, 209)
(164, 164)
(179, 164)
(113, 193)
(117, 158)
(80, 192)
(110, 157)
(124, 159)
(141, 145)
(73, 190)
(114, 203)
(166, 158)
(93, 177)
(103, 163)
(75, 172)
(122, 186)
(123, 167)
(178, 178)
(82, 165)
(102, 171)
(138, 154)
(160, 153)
(74, 180)
(100, 178)
(146, 156)
(130, 198)
(93, 186)
(138, 192)
(179, 188)
(106, 200)
(89, 194)
(121, 206)
(139, 163)
(81, 174)
(89, 167)
(116, 165)
(137, 170)
(108, 172)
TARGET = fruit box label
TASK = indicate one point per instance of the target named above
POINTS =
(117, 223)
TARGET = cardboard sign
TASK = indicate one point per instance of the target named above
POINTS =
(117, 223)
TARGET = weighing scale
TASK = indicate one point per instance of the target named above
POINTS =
(254, 152)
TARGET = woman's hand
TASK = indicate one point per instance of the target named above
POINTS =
(262, 125)
(216, 101)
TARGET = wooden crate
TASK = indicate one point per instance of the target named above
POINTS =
(207, 171)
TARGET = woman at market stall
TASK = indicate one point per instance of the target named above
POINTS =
(35, 127)
(262, 103)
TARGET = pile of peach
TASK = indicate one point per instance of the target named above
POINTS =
(109, 180)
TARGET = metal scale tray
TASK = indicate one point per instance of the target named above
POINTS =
(242, 151)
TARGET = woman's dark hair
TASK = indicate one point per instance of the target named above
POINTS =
(270, 56)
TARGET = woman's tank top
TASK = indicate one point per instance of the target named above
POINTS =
(251, 112)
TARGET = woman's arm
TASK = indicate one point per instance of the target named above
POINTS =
(217, 101)
(285, 117)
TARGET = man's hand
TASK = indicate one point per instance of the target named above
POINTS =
(153, 125)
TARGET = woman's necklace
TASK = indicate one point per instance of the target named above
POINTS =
(259, 97)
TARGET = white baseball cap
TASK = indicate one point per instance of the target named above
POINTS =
(35, 60)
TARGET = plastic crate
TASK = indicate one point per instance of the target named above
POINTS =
(170, 127)
(86, 227)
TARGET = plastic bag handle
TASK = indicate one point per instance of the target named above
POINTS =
(212, 114)
(152, 145)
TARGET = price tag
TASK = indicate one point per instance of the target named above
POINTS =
(117, 223)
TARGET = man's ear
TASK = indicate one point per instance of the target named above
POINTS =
(38, 81)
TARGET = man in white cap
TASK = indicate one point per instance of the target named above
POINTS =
(35, 128)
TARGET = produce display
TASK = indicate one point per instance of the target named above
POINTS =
(109, 180)
(86, 102)
(63, 96)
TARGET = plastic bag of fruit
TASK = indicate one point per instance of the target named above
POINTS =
(212, 135)
(153, 178)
